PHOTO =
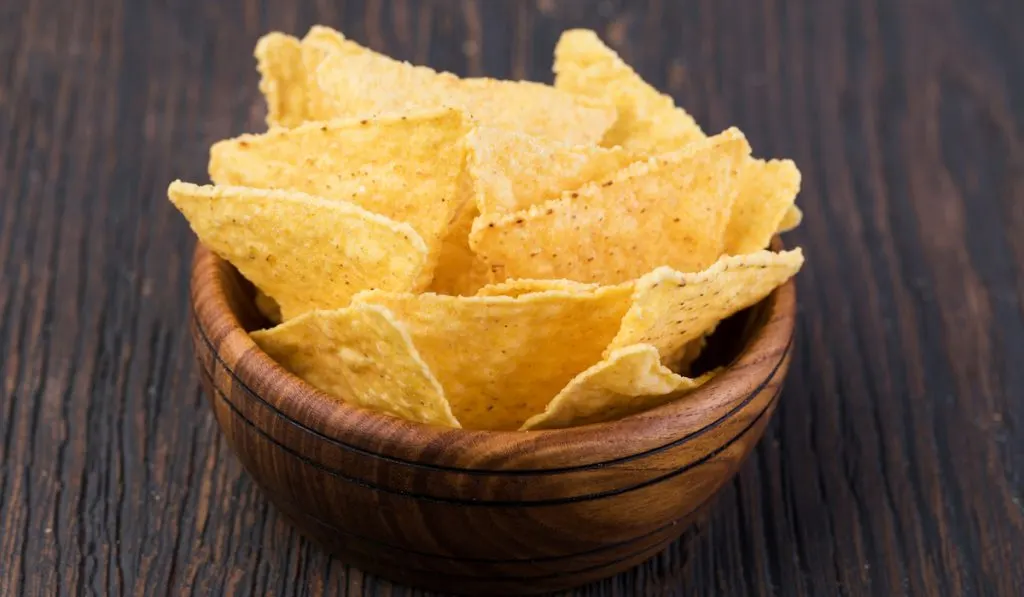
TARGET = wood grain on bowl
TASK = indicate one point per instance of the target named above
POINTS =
(479, 511)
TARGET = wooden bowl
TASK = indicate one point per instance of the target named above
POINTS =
(483, 512)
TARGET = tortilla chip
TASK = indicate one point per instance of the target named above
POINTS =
(406, 167)
(791, 220)
(670, 210)
(267, 307)
(648, 120)
(287, 68)
(362, 356)
(766, 192)
(521, 287)
(670, 308)
(631, 380)
(323, 40)
(305, 252)
(460, 271)
(282, 79)
(512, 171)
(371, 83)
(502, 359)
(319, 43)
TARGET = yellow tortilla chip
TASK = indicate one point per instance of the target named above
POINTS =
(373, 83)
(303, 251)
(282, 78)
(500, 359)
(267, 307)
(512, 171)
(360, 355)
(669, 210)
(287, 70)
(460, 271)
(323, 40)
(407, 167)
(766, 193)
(792, 219)
(316, 46)
(648, 120)
(670, 308)
(520, 287)
(631, 380)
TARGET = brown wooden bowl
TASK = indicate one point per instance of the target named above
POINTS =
(484, 512)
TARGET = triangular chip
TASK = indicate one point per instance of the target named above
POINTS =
(287, 68)
(672, 308)
(371, 83)
(512, 171)
(363, 356)
(669, 210)
(305, 252)
(766, 193)
(406, 167)
(631, 380)
(283, 79)
(520, 287)
(501, 359)
(319, 43)
(647, 119)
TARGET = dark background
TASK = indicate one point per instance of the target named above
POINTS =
(894, 466)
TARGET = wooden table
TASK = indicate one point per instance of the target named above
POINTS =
(895, 464)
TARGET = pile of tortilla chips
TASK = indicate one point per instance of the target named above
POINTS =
(489, 254)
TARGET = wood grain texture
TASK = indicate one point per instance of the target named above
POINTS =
(895, 462)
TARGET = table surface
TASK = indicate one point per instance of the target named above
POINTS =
(894, 466)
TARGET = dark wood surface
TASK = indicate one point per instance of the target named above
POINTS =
(894, 465)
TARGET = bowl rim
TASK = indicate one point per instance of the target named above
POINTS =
(354, 426)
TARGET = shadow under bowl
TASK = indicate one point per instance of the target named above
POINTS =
(484, 512)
